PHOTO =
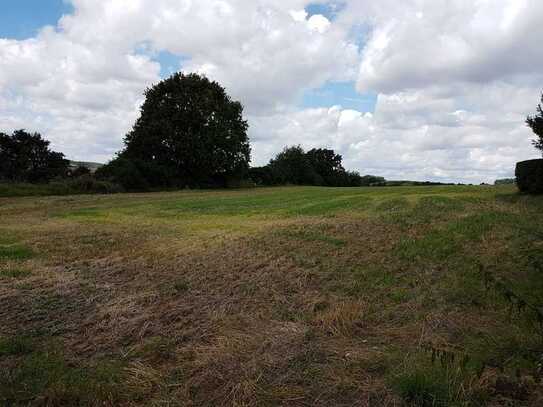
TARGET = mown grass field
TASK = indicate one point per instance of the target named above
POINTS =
(302, 296)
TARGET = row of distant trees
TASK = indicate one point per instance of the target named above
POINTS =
(190, 134)
(26, 157)
(315, 167)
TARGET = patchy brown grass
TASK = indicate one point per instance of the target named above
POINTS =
(293, 296)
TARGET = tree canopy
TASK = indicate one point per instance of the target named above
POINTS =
(26, 157)
(536, 124)
(316, 167)
(326, 164)
(291, 166)
(190, 133)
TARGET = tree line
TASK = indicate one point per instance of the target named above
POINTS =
(26, 157)
(190, 133)
(318, 166)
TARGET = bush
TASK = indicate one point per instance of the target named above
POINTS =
(123, 172)
(530, 176)
(261, 175)
(89, 184)
(86, 184)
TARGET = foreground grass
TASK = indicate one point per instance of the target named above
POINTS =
(426, 296)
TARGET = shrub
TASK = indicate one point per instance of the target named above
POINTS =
(123, 172)
(82, 185)
(261, 175)
(530, 176)
(89, 184)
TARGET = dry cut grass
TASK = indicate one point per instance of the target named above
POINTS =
(283, 296)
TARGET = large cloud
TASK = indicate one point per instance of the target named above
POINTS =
(81, 82)
(83, 97)
(415, 44)
(455, 78)
(264, 52)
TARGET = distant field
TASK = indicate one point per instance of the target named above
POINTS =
(301, 296)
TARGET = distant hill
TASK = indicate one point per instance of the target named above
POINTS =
(90, 165)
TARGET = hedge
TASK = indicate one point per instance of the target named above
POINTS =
(530, 176)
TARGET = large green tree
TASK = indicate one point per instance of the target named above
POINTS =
(536, 124)
(26, 157)
(190, 133)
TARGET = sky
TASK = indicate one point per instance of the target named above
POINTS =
(418, 89)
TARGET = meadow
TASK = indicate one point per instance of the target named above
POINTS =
(299, 296)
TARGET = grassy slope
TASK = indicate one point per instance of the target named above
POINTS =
(294, 296)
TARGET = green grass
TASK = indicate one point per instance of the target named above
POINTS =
(273, 296)
(46, 374)
(14, 252)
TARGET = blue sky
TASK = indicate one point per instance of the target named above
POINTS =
(341, 94)
(21, 19)
(329, 10)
